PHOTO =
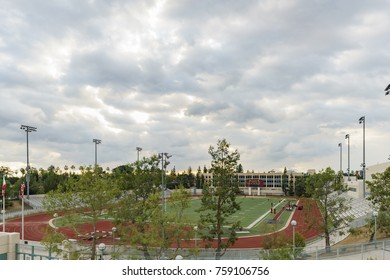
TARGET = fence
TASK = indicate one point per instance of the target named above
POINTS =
(379, 250)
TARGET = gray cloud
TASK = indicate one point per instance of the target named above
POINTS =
(283, 81)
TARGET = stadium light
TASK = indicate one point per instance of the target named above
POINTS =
(362, 120)
(28, 129)
(96, 141)
(387, 90)
(349, 158)
(138, 150)
(341, 157)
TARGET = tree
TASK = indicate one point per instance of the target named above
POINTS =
(199, 177)
(177, 221)
(291, 190)
(91, 195)
(139, 212)
(278, 246)
(300, 185)
(380, 198)
(326, 188)
(239, 169)
(219, 199)
(285, 181)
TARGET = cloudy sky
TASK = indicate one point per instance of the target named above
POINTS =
(282, 80)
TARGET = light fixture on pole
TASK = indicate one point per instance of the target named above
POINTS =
(196, 236)
(349, 158)
(138, 150)
(28, 129)
(96, 141)
(387, 90)
(294, 223)
(362, 120)
(341, 157)
(101, 248)
(114, 229)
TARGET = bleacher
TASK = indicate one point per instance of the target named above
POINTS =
(35, 201)
(360, 210)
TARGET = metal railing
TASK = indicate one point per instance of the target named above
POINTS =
(378, 250)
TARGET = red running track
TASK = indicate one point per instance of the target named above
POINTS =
(35, 226)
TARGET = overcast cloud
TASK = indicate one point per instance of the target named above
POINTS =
(282, 80)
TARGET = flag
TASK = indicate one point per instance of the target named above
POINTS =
(22, 190)
(3, 187)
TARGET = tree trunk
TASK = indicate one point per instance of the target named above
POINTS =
(93, 255)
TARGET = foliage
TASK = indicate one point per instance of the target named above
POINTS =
(139, 215)
(53, 240)
(380, 198)
(219, 199)
(93, 190)
(326, 188)
(278, 246)
(300, 185)
(177, 227)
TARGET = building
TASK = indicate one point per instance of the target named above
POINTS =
(263, 183)
(356, 185)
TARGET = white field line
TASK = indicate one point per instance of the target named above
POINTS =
(262, 217)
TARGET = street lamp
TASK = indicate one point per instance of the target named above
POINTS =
(96, 141)
(138, 150)
(293, 223)
(349, 158)
(28, 129)
(362, 120)
(341, 157)
(114, 229)
(101, 248)
(375, 214)
(196, 236)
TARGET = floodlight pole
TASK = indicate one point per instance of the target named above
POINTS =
(96, 141)
(162, 156)
(349, 159)
(362, 120)
(341, 157)
(28, 129)
(138, 150)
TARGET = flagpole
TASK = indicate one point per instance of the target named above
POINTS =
(22, 194)
(3, 195)
(22, 219)
(3, 213)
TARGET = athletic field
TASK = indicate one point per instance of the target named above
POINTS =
(255, 214)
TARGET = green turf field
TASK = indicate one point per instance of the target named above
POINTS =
(254, 214)
(252, 209)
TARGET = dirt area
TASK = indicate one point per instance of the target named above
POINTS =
(17, 205)
(363, 237)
